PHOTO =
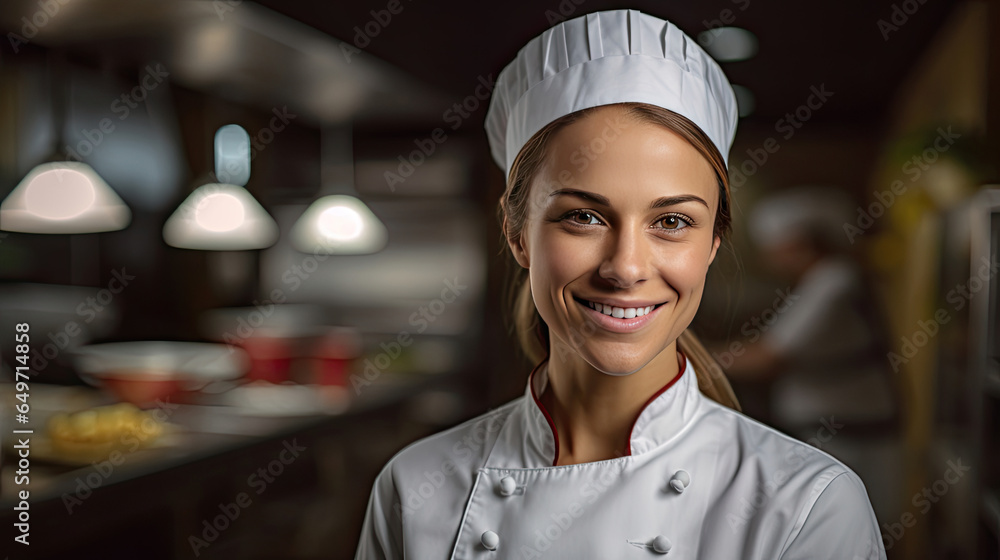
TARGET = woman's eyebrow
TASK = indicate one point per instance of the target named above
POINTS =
(593, 197)
(679, 199)
(603, 200)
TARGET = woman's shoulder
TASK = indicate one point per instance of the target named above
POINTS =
(769, 446)
(774, 480)
(774, 476)
(781, 465)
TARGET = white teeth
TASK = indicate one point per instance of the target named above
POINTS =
(621, 312)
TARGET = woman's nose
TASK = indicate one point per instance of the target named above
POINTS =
(626, 259)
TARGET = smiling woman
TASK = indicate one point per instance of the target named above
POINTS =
(614, 130)
(654, 151)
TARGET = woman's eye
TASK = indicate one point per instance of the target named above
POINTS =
(673, 222)
(584, 218)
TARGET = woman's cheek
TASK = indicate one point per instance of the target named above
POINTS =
(566, 255)
(685, 270)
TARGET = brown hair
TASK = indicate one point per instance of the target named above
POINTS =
(531, 330)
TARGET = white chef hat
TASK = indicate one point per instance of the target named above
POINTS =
(608, 57)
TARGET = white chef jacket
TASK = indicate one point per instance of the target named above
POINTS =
(488, 489)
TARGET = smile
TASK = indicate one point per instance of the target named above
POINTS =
(619, 312)
(619, 319)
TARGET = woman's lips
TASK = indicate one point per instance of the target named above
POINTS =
(615, 324)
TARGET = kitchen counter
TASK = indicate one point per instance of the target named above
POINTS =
(196, 494)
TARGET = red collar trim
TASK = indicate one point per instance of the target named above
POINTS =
(682, 365)
(538, 403)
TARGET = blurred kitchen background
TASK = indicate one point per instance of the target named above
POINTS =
(280, 260)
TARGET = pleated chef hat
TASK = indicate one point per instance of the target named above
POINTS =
(608, 57)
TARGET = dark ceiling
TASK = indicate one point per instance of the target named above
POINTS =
(450, 43)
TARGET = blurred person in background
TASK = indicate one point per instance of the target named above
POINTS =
(823, 352)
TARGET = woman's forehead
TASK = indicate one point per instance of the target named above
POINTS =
(626, 159)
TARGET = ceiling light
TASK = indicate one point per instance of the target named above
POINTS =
(339, 224)
(728, 44)
(63, 197)
(223, 216)
(220, 217)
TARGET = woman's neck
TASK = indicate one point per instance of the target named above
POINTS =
(594, 412)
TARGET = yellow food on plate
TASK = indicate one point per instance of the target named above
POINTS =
(99, 431)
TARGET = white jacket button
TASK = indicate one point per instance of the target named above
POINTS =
(661, 544)
(680, 480)
(490, 540)
(507, 485)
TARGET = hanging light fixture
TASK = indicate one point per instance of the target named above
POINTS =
(338, 222)
(223, 216)
(729, 44)
(62, 196)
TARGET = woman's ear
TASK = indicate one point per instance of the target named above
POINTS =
(517, 247)
(716, 241)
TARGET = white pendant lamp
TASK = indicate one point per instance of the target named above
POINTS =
(729, 44)
(223, 216)
(338, 222)
(63, 197)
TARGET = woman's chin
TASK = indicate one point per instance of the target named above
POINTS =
(610, 358)
(619, 366)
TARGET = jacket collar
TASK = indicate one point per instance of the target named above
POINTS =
(665, 414)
